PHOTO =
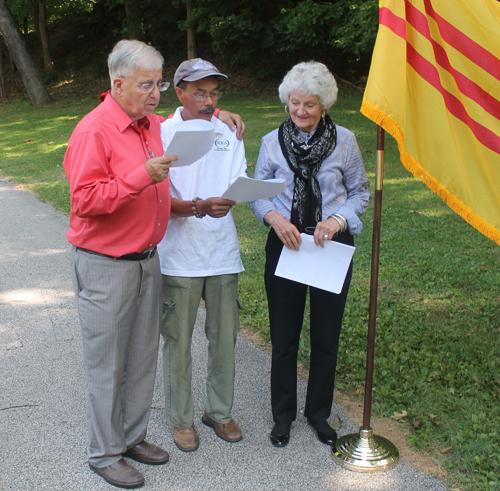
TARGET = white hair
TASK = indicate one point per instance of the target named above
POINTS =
(311, 78)
(128, 55)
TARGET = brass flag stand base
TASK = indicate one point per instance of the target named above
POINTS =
(365, 452)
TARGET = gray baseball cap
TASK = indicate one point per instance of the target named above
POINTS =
(195, 69)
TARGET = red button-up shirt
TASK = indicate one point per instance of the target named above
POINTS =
(116, 207)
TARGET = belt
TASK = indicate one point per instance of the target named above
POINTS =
(135, 256)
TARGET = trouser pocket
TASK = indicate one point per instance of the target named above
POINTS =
(169, 326)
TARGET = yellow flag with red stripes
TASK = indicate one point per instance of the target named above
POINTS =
(434, 85)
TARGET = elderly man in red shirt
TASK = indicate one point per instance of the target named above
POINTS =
(120, 206)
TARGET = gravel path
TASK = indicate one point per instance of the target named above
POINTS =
(42, 395)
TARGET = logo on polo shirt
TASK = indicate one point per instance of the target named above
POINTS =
(221, 145)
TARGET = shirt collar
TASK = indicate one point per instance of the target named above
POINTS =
(120, 117)
(306, 136)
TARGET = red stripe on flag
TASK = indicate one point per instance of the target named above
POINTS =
(430, 74)
(468, 47)
(467, 86)
(393, 22)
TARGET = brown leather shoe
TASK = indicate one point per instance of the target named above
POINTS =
(147, 453)
(227, 431)
(120, 474)
(186, 439)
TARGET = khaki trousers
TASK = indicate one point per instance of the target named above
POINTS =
(181, 299)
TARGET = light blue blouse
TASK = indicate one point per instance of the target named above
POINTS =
(345, 188)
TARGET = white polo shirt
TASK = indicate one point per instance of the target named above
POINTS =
(206, 246)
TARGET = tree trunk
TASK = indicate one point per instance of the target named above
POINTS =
(133, 16)
(44, 36)
(191, 40)
(23, 60)
(3, 92)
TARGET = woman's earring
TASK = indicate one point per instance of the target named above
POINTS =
(286, 108)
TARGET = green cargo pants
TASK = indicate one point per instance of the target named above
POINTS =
(181, 299)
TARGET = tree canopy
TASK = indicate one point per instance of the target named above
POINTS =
(258, 37)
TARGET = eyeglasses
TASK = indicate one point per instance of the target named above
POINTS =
(203, 97)
(148, 87)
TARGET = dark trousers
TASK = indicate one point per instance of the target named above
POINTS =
(286, 301)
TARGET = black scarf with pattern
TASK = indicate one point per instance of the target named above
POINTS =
(305, 161)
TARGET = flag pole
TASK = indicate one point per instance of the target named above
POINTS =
(364, 451)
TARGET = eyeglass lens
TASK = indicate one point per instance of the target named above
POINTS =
(202, 97)
(162, 86)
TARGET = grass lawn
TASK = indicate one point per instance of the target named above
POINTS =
(437, 353)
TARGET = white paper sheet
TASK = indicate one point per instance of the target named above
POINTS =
(192, 140)
(313, 265)
(247, 189)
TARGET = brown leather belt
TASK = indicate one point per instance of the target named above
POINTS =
(135, 256)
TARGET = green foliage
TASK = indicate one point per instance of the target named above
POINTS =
(56, 9)
(261, 38)
(59, 9)
(311, 24)
(268, 37)
(339, 33)
(357, 35)
(22, 8)
(348, 27)
(242, 32)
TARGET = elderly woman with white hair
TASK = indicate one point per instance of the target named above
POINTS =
(327, 192)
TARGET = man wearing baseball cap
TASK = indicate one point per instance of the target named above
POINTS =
(200, 259)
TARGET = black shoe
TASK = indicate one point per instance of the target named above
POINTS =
(329, 438)
(280, 436)
(279, 440)
(326, 434)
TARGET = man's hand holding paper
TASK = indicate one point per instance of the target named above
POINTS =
(158, 167)
(215, 207)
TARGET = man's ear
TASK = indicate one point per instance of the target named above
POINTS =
(180, 93)
(118, 86)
